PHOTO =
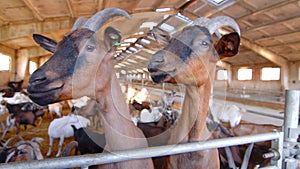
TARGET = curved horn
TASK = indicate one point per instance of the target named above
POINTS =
(200, 21)
(98, 19)
(217, 22)
(79, 22)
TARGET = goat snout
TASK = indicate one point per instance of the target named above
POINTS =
(156, 62)
(37, 77)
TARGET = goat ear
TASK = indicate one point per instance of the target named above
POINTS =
(46, 43)
(228, 45)
(161, 36)
(112, 37)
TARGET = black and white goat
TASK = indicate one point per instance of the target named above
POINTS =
(89, 142)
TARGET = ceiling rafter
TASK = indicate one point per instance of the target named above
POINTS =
(286, 33)
(69, 4)
(101, 4)
(33, 9)
(9, 31)
(264, 25)
(263, 10)
(284, 44)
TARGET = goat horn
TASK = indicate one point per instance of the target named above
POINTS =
(98, 19)
(8, 141)
(79, 22)
(217, 22)
(200, 21)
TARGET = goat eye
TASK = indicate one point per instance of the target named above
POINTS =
(90, 48)
(204, 43)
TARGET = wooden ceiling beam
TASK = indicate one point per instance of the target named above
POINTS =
(101, 4)
(264, 25)
(286, 33)
(69, 4)
(14, 31)
(33, 9)
(34, 51)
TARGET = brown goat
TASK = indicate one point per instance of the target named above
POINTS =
(190, 58)
(83, 65)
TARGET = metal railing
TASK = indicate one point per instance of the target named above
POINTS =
(104, 158)
(284, 147)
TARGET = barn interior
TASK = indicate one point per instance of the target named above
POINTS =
(256, 79)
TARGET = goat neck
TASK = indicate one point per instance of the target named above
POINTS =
(120, 132)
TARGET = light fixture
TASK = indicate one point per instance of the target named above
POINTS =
(131, 60)
(149, 25)
(167, 27)
(122, 65)
(217, 2)
(162, 9)
(125, 44)
(145, 41)
(126, 63)
(130, 40)
(139, 70)
(133, 49)
(138, 45)
(123, 72)
(140, 57)
(128, 51)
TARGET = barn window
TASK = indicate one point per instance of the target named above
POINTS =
(269, 73)
(222, 75)
(5, 62)
(32, 66)
(244, 74)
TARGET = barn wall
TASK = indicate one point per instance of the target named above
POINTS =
(257, 84)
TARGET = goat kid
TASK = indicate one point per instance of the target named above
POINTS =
(65, 130)
(89, 142)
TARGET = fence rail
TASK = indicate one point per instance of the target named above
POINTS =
(104, 158)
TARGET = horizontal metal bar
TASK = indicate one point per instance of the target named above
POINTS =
(104, 158)
(265, 114)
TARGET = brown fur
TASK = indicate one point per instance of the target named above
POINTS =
(190, 59)
(82, 65)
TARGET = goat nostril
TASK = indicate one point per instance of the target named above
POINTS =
(152, 68)
(37, 80)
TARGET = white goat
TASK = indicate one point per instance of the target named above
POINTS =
(168, 99)
(56, 108)
(3, 110)
(61, 128)
(226, 113)
(153, 116)
(78, 103)
(17, 98)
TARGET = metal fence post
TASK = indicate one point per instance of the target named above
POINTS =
(291, 131)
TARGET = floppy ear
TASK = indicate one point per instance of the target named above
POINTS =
(112, 37)
(46, 43)
(228, 45)
(161, 36)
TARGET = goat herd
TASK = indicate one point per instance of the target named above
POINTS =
(60, 79)
(75, 121)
